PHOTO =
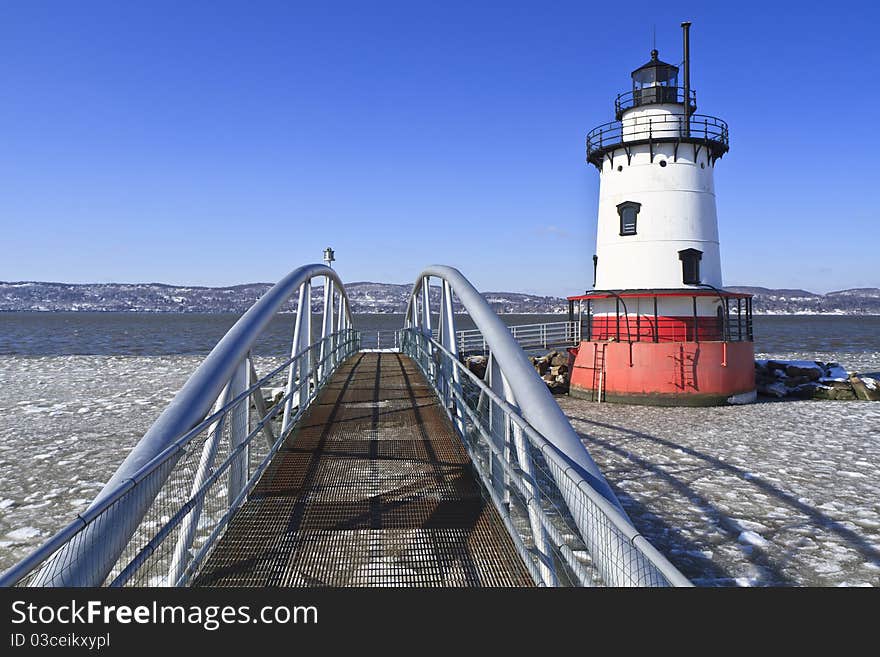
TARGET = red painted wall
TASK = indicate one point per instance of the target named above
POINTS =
(666, 370)
(669, 328)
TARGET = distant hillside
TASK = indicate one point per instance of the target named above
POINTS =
(366, 297)
(861, 301)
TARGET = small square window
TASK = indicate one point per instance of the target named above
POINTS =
(629, 213)
(690, 266)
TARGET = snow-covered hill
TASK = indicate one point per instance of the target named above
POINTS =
(366, 297)
(861, 301)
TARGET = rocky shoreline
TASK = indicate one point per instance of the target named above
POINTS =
(553, 368)
(777, 379)
(813, 380)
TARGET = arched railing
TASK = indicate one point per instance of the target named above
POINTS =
(159, 514)
(564, 518)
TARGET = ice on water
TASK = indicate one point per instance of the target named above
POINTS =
(66, 423)
(768, 494)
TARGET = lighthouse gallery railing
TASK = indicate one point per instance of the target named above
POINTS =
(657, 128)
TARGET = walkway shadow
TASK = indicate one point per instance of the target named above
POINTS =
(367, 497)
(726, 524)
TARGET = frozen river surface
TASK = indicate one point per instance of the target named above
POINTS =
(784, 493)
(770, 494)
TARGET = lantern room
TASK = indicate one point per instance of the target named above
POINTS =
(655, 82)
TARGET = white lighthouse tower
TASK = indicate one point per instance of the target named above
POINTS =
(658, 326)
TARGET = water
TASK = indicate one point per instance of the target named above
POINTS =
(79, 390)
(768, 494)
(854, 342)
(147, 334)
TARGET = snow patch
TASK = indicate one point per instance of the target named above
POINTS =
(23, 534)
(749, 537)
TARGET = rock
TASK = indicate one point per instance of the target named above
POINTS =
(865, 387)
(811, 373)
(556, 385)
(811, 380)
(542, 365)
(558, 370)
(833, 390)
(773, 390)
(559, 360)
(804, 391)
(834, 372)
(477, 365)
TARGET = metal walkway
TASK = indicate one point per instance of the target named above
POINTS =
(373, 488)
(342, 467)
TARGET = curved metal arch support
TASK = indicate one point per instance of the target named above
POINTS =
(617, 559)
(90, 552)
(504, 433)
(532, 396)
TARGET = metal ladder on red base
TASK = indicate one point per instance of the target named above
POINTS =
(598, 386)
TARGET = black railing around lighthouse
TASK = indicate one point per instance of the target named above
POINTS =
(699, 129)
(731, 323)
(652, 96)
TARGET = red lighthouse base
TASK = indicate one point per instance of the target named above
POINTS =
(665, 373)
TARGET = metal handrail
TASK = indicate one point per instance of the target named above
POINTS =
(30, 563)
(417, 344)
(659, 127)
(528, 336)
(531, 393)
(89, 564)
(382, 339)
(535, 404)
(340, 340)
(637, 98)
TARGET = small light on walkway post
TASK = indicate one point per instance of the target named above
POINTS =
(328, 257)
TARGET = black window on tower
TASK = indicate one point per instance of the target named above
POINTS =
(629, 212)
(690, 266)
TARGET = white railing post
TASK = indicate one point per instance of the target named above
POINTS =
(447, 340)
(426, 307)
(303, 318)
(499, 429)
(238, 431)
(260, 404)
(337, 341)
(188, 527)
(326, 324)
(539, 533)
(307, 362)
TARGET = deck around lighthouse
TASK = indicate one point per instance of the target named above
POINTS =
(372, 488)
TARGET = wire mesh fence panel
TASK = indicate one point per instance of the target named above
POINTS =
(528, 336)
(566, 530)
(191, 489)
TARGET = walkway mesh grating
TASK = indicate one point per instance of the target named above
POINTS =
(373, 488)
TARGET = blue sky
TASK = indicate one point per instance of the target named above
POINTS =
(221, 143)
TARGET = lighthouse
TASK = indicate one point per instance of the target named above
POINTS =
(657, 327)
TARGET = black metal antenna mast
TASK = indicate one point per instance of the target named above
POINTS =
(685, 27)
